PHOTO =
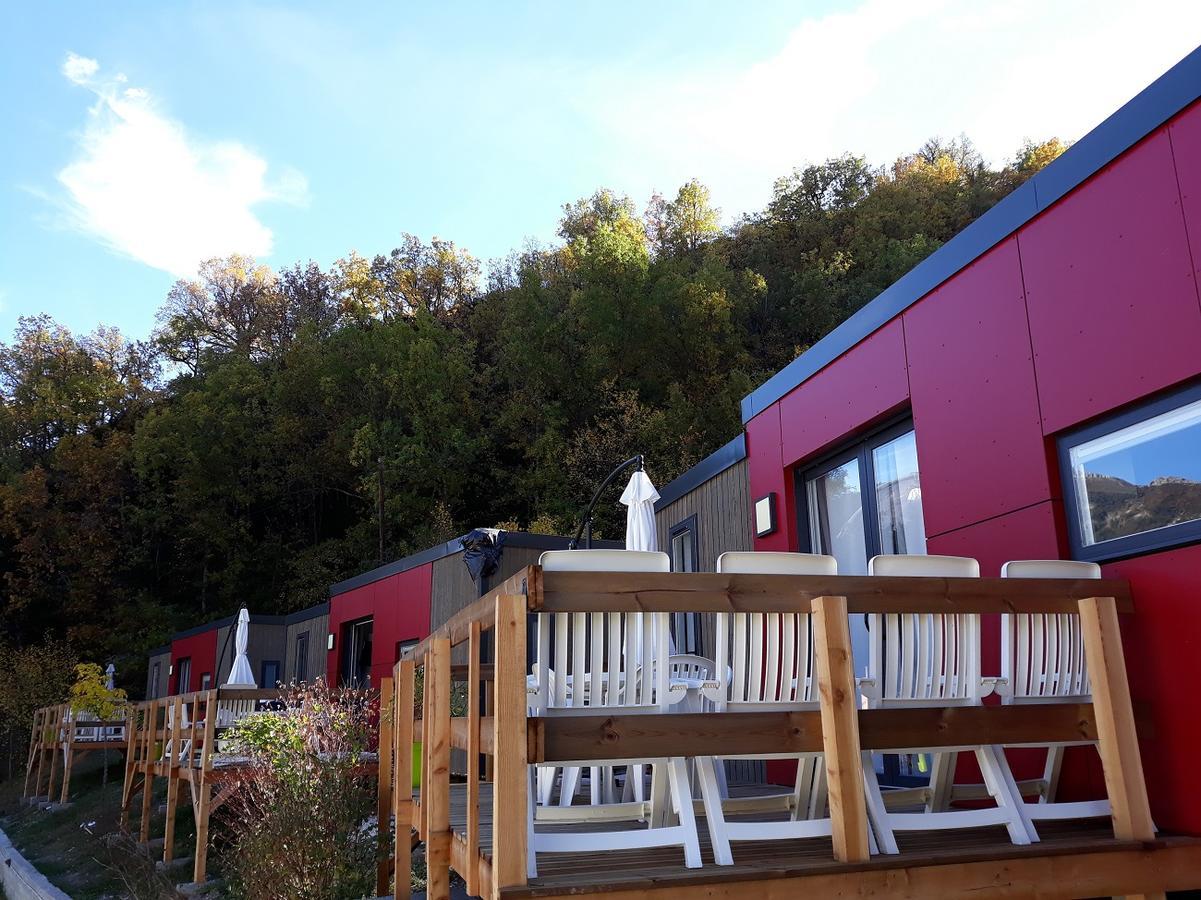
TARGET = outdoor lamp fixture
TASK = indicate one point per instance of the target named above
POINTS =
(585, 528)
(329, 641)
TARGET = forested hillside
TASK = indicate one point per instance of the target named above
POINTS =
(237, 453)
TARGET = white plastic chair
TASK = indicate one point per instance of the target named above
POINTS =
(1042, 661)
(933, 659)
(765, 663)
(618, 663)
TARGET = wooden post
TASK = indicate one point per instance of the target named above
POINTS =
(422, 808)
(172, 767)
(203, 802)
(489, 711)
(34, 750)
(840, 729)
(55, 740)
(402, 791)
(1117, 741)
(68, 755)
(437, 791)
(510, 792)
(383, 797)
(471, 876)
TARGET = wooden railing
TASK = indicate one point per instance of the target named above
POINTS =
(58, 737)
(497, 726)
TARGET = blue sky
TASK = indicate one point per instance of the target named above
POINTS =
(140, 138)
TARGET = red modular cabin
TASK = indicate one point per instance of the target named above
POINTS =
(374, 615)
(1042, 373)
(193, 659)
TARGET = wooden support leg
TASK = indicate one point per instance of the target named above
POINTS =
(1117, 740)
(383, 797)
(840, 729)
(68, 765)
(200, 808)
(402, 792)
(169, 826)
(147, 797)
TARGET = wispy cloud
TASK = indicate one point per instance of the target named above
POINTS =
(146, 187)
(881, 77)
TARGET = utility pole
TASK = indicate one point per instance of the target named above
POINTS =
(380, 509)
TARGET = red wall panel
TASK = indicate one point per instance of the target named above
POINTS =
(1163, 643)
(765, 468)
(400, 608)
(975, 404)
(865, 383)
(1110, 289)
(202, 650)
(1185, 134)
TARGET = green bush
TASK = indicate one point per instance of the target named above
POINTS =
(300, 820)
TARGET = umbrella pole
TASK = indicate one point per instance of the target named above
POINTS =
(586, 523)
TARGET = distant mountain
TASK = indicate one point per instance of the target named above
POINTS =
(1118, 507)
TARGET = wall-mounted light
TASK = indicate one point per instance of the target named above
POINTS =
(170, 670)
(765, 515)
(329, 641)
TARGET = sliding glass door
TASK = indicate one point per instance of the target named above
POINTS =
(865, 500)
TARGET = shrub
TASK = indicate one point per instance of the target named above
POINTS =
(299, 822)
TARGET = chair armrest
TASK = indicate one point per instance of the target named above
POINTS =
(868, 687)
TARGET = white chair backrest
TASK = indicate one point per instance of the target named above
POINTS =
(605, 561)
(766, 659)
(925, 658)
(610, 660)
(1042, 654)
(689, 665)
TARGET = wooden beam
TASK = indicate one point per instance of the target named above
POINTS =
(723, 592)
(460, 728)
(402, 791)
(436, 792)
(960, 726)
(510, 794)
(596, 737)
(583, 738)
(840, 728)
(1117, 740)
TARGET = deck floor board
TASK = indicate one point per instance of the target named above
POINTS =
(754, 860)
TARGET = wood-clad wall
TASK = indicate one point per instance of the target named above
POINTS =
(318, 629)
(722, 506)
(263, 642)
(158, 688)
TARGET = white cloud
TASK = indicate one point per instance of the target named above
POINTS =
(79, 69)
(147, 188)
(881, 78)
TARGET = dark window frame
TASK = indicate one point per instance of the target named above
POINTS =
(155, 675)
(1169, 536)
(183, 685)
(688, 525)
(858, 448)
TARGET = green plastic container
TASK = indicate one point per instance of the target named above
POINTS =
(416, 764)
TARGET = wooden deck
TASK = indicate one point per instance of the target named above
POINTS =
(1121, 856)
(1075, 859)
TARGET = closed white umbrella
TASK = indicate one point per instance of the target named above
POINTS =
(640, 496)
(109, 674)
(241, 675)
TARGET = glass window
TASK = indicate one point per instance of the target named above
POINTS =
(300, 670)
(898, 496)
(183, 680)
(836, 517)
(270, 673)
(682, 537)
(154, 680)
(1133, 482)
(206, 680)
